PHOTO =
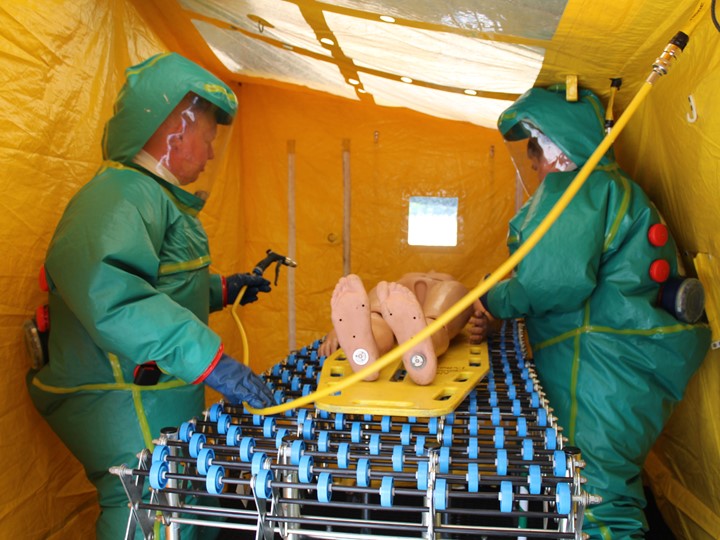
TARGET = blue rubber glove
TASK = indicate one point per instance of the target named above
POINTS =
(238, 383)
(254, 285)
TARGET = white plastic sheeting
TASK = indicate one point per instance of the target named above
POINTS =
(435, 62)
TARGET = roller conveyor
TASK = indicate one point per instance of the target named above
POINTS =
(496, 467)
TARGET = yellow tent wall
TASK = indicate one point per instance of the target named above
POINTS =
(61, 66)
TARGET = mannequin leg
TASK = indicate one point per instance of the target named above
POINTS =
(355, 324)
(402, 311)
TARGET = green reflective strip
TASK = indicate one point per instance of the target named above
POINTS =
(171, 268)
(217, 89)
(574, 374)
(591, 328)
(603, 529)
(181, 205)
(620, 215)
(130, 72)
(142, 417)
(116, 369)
(105, 386)
(109, 164)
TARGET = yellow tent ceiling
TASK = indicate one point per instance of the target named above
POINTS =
(315, 106)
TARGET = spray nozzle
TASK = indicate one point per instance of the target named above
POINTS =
(271, 258)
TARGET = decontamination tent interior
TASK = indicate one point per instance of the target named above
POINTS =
(329, 145)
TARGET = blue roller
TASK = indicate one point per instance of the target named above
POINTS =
(521, 427)
(307, 389)
(472, 406)
(420, 445)
(386, 491)
(506, 496)
(534, 400)
(197, 441)
(204, 460)
(324, 487)
(374, 446)
(161, 453)
(447, 435)
(386, 424)
(501, 462)
(499, 438)
(534, 479)
(305, 472)
(444, 460)
(356, 432)
(563, 499)
(559, 463)
(473, 478)
(527, 450)
(362, 473)
(297, 449)
(247, 446)
(422, 475)
(472, 425)
(308, 429)
(215, 411)
(405, 434)
(433, 425)
(279, 436)
(472, 448)
(268, 427)
(440, 494)
(398, 458)
(258, 462)
(323, 441)
(257, 419)
(495, 416)
(512, 391)
(343, 455)
(158, 472)
(302, 415)
(542, 417)
(263, 489)
(214, 479)
(339, 421)
(186, 431)
(517, 407)
(223, 423)
(233, 435)
(550, 438)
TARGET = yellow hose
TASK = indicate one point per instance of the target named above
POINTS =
(243, 335)
(504, 268)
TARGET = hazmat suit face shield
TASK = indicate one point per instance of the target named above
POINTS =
(190, 145)
(535, 157)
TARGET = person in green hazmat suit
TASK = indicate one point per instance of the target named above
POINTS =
(130, 289)
(611, 360)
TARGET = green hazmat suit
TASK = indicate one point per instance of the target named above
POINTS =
(128, 272)
(611, 362)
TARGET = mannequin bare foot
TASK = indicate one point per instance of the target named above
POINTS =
(350, 312)
(404, 314)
